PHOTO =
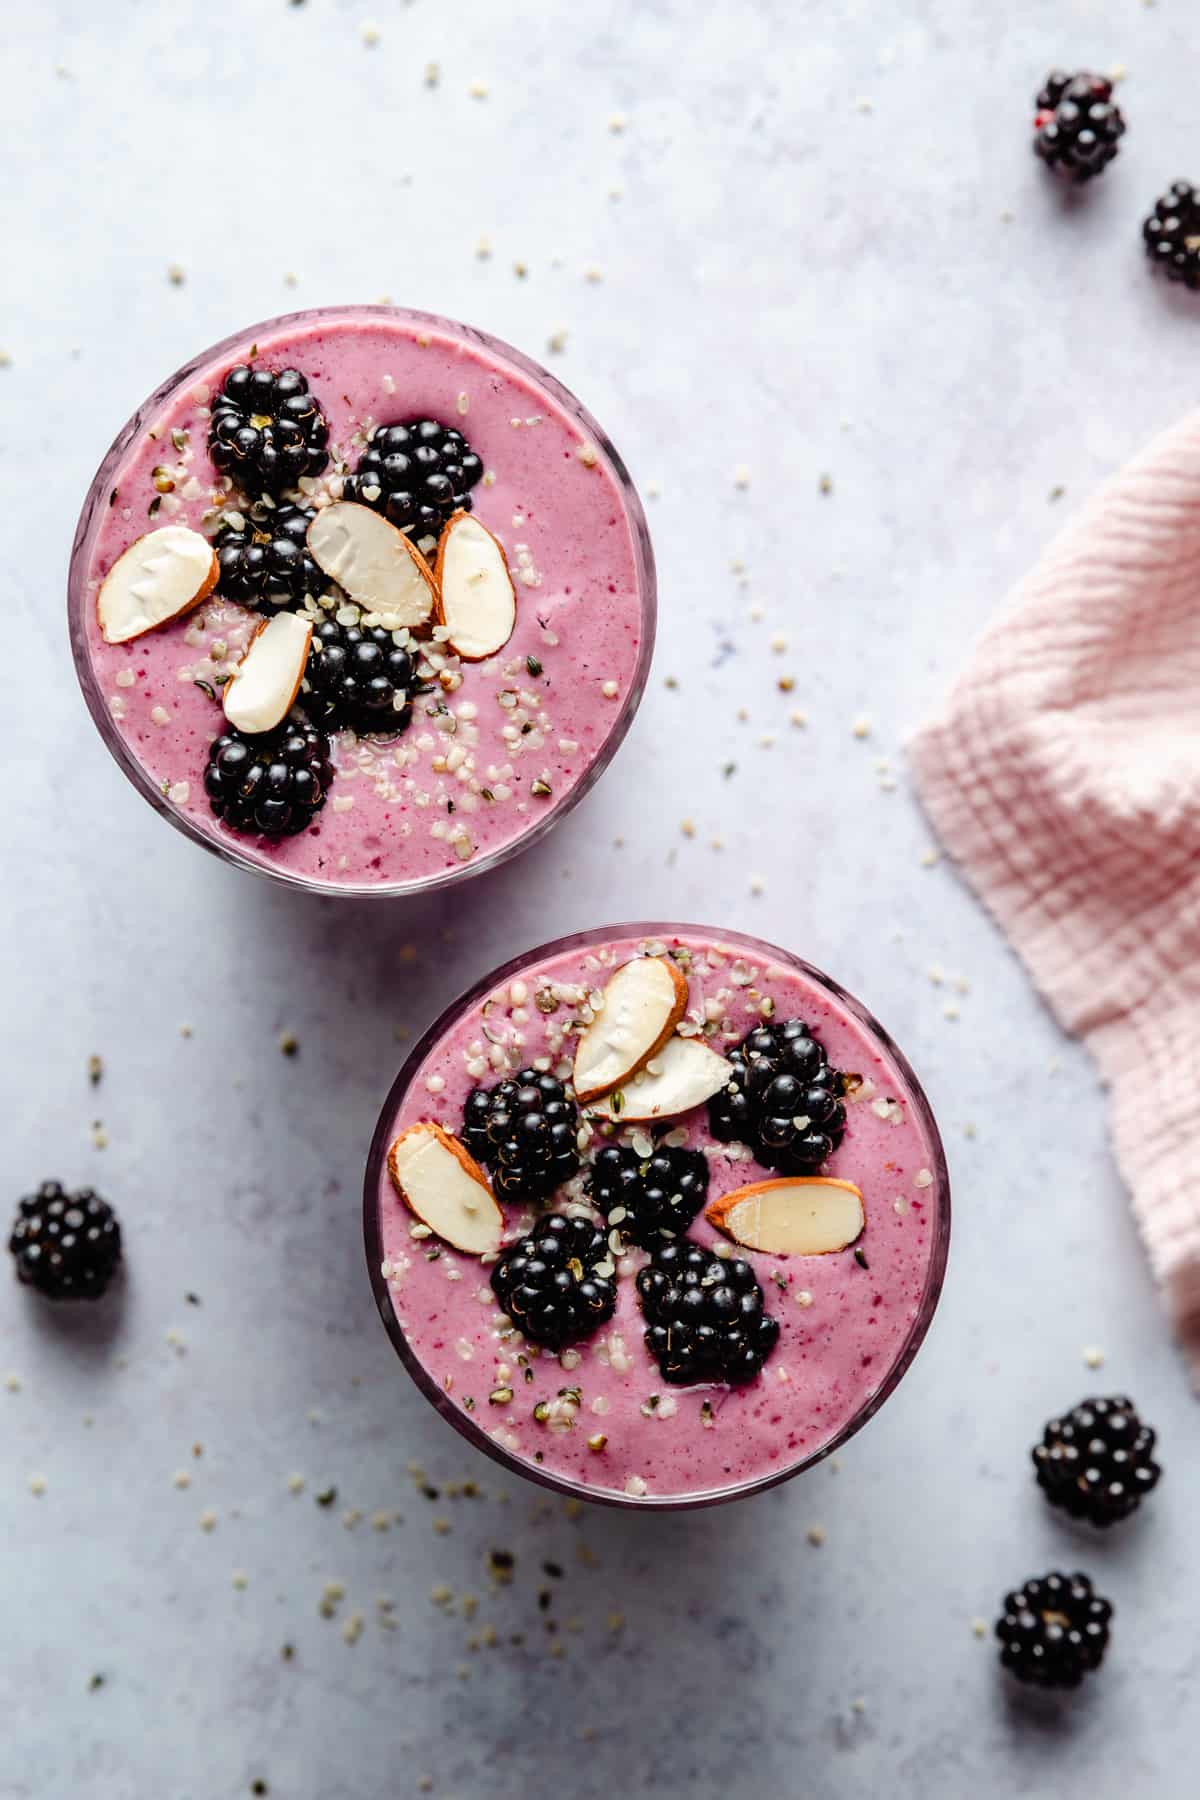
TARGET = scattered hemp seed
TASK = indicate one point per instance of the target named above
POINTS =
(815, 1535)
(433, 74)
(861, 727)
(979, 1627)
(617, 123)
(289, 1043)
(825, 484)
(95, 1070)
(37, 1486)
(175, 274)
(295, 1484)
(556, 343)
(370, 34)
(97, 1681)
(741, 476)
(208, 1520)
(1056, 493)
(1093, 1356)
(327, 1497)
(479, 90)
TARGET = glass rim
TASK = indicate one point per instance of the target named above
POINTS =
(468, 1427)
(77, 593)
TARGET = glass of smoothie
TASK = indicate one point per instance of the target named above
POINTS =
(362, 599)
(657, 1215)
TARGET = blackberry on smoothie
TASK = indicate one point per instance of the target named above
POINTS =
(657, 1214)
(362, 598)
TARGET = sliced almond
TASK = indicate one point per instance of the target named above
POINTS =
(799, 1215)
(163, 574)
(266, 681)
(377, 565)
(446, 1189)
(643, 1002)
(685, 1073)
(476, 600)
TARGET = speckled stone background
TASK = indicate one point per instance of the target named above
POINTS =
(824, 248)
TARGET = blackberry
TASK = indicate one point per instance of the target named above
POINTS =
(648, 1198)
(1077, 125)
(1096, 1462)
(266, 564)
(525, 1129)
(557, 1284)
(67, 1246)
(1054, 1630)
(271, 783)
(784, 1099)
(358, 677)
(1172, 234)
(416, 475)
(267, 430)
(704, 1316)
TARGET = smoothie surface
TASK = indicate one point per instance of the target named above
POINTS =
(845, 1318)
(495, 748)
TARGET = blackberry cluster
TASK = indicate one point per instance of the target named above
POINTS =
(274, 782)
(557, 1284)
(525, 1130)
(784, 1099)
(266, 564)
(1053, 1630)
(1097, 1462)
(67, 1246)
(704, 1316)
(358, 677)
(1077, 126)
(648, 1198)
(267, 430)
(416, 475)
(1172, 234)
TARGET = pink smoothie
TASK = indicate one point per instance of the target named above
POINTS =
(501, 747)
(849, 1321)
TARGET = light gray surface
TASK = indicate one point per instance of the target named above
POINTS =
(790, 281)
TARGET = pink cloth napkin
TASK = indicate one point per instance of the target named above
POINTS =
(1063, 774)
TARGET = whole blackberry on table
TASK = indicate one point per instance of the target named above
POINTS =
(648, 1197)
(267, 430)
(525, 1129)
(783, 1099)
(266, 564)
(1077, 126)
(704, 1316)
(416, 475)
(1172, 234)
(557, 1284)
(1096, 1462)
(273, 782)
(1054, 1630)
(67, 1246)
(358, 677)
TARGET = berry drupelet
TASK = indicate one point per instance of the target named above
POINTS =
(1053, 1631)
(557, 1284)
(267, 430)
(784, 1099)
(357, 676)
(1172, 234)
(525, 1130)
(648, 1198)
(266, 563)
(416, 475)
(1097, 1462)
(67, 1246)
(704, 1316)
(1077, 126)
(273, 783)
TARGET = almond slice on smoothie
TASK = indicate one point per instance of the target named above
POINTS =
(798, 1215)
(373, 562)
(446, 1189)
(260, 693)
(476, 600)
(162, 575)
(642, 1004)
(683, 1074)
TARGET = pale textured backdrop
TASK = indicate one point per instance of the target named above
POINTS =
(811, 268)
